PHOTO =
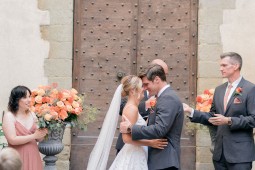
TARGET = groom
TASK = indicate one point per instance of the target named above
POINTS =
(165, 121)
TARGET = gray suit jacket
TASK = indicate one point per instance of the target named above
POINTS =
(165, 122)
(236, 140)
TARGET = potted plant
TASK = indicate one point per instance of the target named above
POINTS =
(55, 108)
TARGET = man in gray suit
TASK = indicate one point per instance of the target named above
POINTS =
(165, 121)
(233, 111)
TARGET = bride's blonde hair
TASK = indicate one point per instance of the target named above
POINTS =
(129, 83)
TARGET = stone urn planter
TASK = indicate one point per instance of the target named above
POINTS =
(51, 146)
(212, 132)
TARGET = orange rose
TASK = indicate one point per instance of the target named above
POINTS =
(73, 91)
(205, 109)
(47, 117)
(38, 108)
(70, 99)
(38, 99)
(69, 108)
(33, 94)
(205, 96)
(77, 110)
(54, 115)
(40, 92)
(206, 92)
(75, 104)
(210, 101)
(79, 100)
(63, 114)
(211, 91)
(239, 90)
(45, 99)
(60, 104)
(199, 99)
(153, 102)
(66, 95)
(54, 91)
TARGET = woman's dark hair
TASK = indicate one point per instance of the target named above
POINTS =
(16, 94)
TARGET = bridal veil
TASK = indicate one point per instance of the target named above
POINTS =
(100, 153)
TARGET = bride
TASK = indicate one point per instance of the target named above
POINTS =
(134, 153)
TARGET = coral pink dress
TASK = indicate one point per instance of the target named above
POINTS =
(30, 156)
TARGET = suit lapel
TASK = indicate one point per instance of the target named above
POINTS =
(233, 95)
(145, 95)
(222, 94)
(152, 116)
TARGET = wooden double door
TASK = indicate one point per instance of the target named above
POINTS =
(114, 38)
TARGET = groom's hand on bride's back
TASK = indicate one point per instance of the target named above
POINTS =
(125, 125)
(158, 143)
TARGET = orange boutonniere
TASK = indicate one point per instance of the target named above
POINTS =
(238, 91)
(153, 103)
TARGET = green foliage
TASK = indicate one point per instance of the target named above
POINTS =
(191, 128)
(88, 115)
(2, 145)
(1, 130)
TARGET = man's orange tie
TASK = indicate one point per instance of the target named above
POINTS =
(226, 96)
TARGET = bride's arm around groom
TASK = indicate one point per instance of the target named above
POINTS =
(132, 116)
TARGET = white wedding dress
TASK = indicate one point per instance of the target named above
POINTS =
(132, 157)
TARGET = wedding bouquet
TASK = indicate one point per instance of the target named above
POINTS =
(53, 107)
(204, 101)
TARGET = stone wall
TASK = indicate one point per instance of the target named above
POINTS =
(238, 34)
(22, 49)
(210, 18)
(223, 26)
(58, 65)
(36, 49)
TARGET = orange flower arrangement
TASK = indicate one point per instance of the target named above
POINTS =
(53, 107)
(204, 101)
